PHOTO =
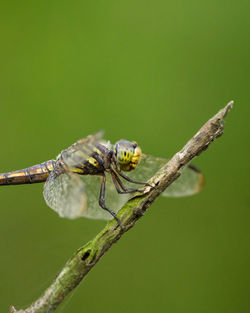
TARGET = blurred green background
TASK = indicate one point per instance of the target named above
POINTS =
(150, 71)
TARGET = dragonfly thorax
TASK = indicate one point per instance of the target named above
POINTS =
(127, 154)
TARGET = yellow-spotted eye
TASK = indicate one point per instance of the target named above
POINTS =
(127, 154)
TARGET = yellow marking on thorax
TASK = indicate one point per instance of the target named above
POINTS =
(97, 151)
(77, 170)
(92, 161)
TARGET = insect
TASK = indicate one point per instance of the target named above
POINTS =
(73, 179)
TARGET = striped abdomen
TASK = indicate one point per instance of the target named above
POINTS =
(34, 174)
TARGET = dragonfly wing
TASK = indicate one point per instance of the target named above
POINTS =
(72, 195)
(64, 193)
(113, 200)
(190, 182)
(78, 152)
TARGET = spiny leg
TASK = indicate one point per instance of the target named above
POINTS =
(119, 185)
(102, 200)
(126, 177)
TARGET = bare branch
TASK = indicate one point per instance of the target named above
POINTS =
(86, 257)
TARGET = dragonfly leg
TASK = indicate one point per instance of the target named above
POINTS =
(119, 185)
(102, 201)
(126, 177)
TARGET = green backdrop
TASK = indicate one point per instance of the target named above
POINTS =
(150, 71)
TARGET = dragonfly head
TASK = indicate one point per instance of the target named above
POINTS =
(128, 154)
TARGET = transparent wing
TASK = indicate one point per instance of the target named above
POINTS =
(190, 182)
(64, 193)
(72, 195)
(113, 200)
(81, 150)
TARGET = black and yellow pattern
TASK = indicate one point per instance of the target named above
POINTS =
(86, 163)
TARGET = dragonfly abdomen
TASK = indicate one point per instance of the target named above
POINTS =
(34, 174)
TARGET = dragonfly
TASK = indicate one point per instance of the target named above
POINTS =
(87, 178)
